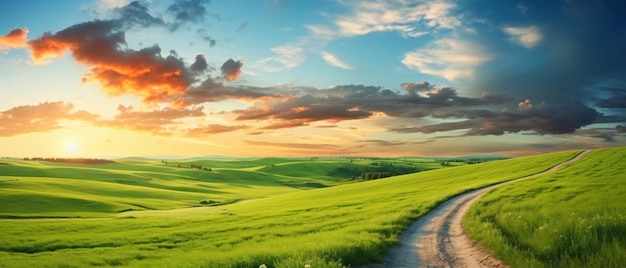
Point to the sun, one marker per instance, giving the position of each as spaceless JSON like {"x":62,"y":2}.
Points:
{"x":71,"y":147}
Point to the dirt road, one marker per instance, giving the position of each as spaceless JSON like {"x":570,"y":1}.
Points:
{"x":437,"y":239}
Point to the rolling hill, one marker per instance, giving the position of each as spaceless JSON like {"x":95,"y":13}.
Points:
{"x":278,"y":212}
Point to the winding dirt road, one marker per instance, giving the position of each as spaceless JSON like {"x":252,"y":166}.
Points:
{"x":438,"y":239}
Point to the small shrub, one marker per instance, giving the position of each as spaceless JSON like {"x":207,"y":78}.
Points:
{"x":207,"y":202}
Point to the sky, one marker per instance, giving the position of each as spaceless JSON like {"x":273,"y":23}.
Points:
{"x":117,"y":78}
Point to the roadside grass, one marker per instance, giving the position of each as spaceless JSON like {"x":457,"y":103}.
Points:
{"x":575,"y":217}
{"x":344,"y":225}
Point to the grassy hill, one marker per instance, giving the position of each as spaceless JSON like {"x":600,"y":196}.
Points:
{"x":575,"y":217}
{"x":41,"y":188}
{"x":273,"y":223}
{"x":44,"y":188}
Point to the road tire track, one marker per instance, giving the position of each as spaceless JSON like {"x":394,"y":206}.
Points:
{"x":438,"y":239}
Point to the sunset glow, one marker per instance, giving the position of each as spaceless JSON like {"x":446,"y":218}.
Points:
{"x":98,"y":78}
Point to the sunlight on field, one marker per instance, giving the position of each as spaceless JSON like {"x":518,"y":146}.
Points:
{"x":142,"y":213}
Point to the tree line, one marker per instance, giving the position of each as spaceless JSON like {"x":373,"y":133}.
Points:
{"x":194,"y":166}
{"x":71,"y":160}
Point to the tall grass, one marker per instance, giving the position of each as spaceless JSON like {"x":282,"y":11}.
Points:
{"x":349,"y":225}
{"x":575,"y":217}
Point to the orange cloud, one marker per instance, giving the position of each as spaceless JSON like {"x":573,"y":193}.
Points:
{"x":15,"y":39}
{"x":42,"y":117}
{"x":299,"y":109}
{"x":99,"y":44}
{"x":213,"y":129}
{"x":158,"y":122}
{"x":47,"y":47}
{"x":286,"y":124}
{"x":144,"y":73}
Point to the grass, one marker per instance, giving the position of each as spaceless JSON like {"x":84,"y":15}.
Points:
{"x":345,"y":225}
{"x":575,"y":217}
{"x":62,"y":189}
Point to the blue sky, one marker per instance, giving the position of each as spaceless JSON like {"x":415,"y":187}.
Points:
{"x":195,"y":77}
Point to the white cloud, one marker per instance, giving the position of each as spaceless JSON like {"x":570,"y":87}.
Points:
{"x":527,"y":37}
{"x":399,"y":16}
{"x":447,"y":58}
{"x":409,"y":18}
{"x":437,"y":13}
{"x":110,"y":4}
{"x":525,"y":105}
{"x":415,"y":34}
{"x":322,"y":32}
{"x":101,"y":8}
{"x":288,"y":56}
{"x":332,"y":60}
{"x":522,"y":9}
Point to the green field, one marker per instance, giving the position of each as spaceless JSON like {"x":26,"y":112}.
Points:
{"x":40,"y":188}
{"x":278,"y":212}
{"x":575,"y":217}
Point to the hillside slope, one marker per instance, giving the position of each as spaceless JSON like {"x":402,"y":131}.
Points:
{"x":575,"y":217}
{"x":348,"y":224}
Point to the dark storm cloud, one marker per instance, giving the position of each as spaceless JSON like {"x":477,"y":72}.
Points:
{"x":352,"y":102}
{"x":304,"y":109}
{"x":213,"y":91}
{"x":541,"y":119}
{"x":185,"y":11}
{"x":614,"y":97}
{"x":231,"y":69}
{"x":43,"y":117}
{"x":581,"y":50}
{"x":435,"y":100}
{"x":415,"y":88}
{"x":606,"y":135}
{"x":485,"y":115}
{"x":199,"y":65}
{"x":138,"y":15}
{"x":206,"y":37}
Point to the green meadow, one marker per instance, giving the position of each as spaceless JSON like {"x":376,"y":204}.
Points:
{"x":240,"y":213}
{"x":575,"y":217}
